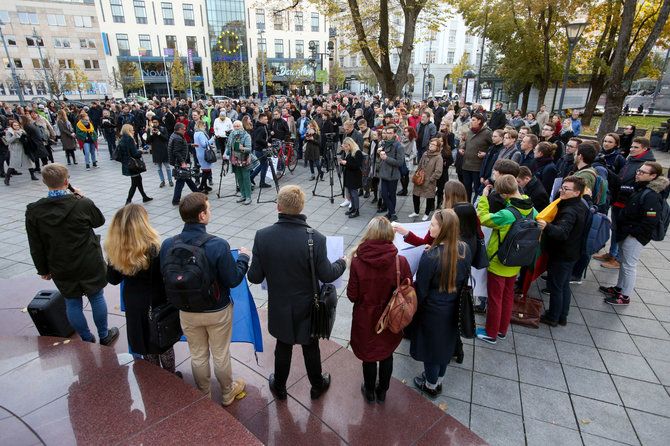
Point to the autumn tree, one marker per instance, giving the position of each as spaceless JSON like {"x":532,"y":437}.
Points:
{"x":336,"y":76}
{"x":228,"y":74}
{"x":128,"y":77}
{"x":179,"y":74}
{"x":623,"y":72}
{"x":461,"y":67}
{"x":55,"y":74}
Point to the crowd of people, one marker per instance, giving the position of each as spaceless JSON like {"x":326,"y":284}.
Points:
{"x":507,"y":168}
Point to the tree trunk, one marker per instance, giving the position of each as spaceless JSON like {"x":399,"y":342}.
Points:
{"x":615,"y":97}
{"x":598,"y":84}
{"x":541,"y":94}
{"x":526,"y":93}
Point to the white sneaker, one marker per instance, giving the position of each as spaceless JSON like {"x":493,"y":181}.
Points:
{"x":345,"y":203}
{"x":424,"y":218}
{"x":413,"y":214}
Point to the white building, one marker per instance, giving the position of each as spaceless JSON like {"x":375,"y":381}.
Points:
{"x":285,"y":39}
{"x":67,"y":34}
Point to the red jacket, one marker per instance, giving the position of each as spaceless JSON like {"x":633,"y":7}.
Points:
{"x":414,"y":121}
{"x":372,"y":280}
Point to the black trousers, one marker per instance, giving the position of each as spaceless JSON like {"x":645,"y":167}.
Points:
{"x":136,"y":183}
{"x":385,"y":372}
{"x":310,"y":353}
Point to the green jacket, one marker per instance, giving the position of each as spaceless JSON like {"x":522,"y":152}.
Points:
{"x":500,"y":222}
{"x":63,"y":244}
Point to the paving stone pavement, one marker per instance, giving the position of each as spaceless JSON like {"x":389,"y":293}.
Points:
{"x":602,"y":379}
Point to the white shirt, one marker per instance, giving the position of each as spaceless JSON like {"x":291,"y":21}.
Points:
{"x":222,"y":126}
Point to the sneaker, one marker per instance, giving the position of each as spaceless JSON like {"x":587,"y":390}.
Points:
{"x":545,"y":291}
{"x":247,"y":201}
{"x":95,"y":164}
{"x":393,"y":218}
{"x":265,"y":185}
{"x":413,"y":215}
{"x":240,"y":200}
{"x":575,"y":281}
{"x":425,"y":218}
{"x":112,"y":334}
{"x":612,"y":264}
{"x":610,"y":290}
{"x":162,"y":184}
{"x":238,"y":387}
{"x":345,"y":203}
{"x":480,"y":307}
{"x":617,"y":300}
{"x":423,"y":378}
{"x":171,"y":183}
{"x":88,"y":166}
{"x":502,"y":337}
{"x":604,"y":257}
{"x":481,"y":334}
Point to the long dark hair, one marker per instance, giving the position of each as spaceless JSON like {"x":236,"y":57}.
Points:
{"x":451,"y":251}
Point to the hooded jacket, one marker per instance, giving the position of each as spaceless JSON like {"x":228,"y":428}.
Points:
{"x":474,"y":143}
{"x":564,"y":234}
{"x":372,"y":279}
{"x":642,"y":211}
{"x":627,"y":176}
{"x":63,"y":244}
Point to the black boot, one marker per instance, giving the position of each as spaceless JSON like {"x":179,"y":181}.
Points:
{"x":8,"y":175}
{"x":32,"y":174}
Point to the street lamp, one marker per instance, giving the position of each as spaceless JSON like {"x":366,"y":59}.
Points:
{"x":263,"y":57}
{"x":239,"y":47}
{"x":574,"y":31}
{"x":423,"y":88}
{"x":315,"y":53}
{"x":19,"y":90}
{"x":37,"y":39}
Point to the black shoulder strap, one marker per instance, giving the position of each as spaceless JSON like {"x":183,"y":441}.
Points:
{"x":202,"y":239}
{"x":310,"y":244}
{"x":517,"y":215}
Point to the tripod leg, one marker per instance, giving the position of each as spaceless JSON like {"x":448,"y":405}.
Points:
{"x":218,"y":194}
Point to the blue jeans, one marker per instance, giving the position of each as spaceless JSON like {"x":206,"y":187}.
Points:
{"x":434,"y":373}
{"x":353,"y":196}
{"x":558,"y":282}
{"x":388,"y":194}
{"x":89,"y":151}
{"x":471,"y":182}
{"x":167,"y":169}
{"x":75,"y":314}
{"x":419,"y":154}
{"x":614,"y":246}
{"x":111,"y":143}
{"x":179,"y":186}
{"x":311,"y":166}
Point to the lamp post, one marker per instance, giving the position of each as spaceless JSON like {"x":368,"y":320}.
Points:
{"x":263,"y":57}
{"x":315,"y":53}
{"x":423,"y":88}
{"x":19,"y":90}
{"x":239,"y":47}
{"x":574,"y":31}
{"x":140,"y":53}
{"x":37,"y":39}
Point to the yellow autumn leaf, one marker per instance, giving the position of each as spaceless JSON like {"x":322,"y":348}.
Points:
{"x":25,"y":310}
{"x":404,"y":381}
{"x":586,"y":421}
{"x":67,"y":341}
{"x":56,"y":343}
{"x":443,"y":406}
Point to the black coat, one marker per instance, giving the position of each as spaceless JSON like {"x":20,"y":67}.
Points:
{"x":280,"y":129}
{"x":352,"y":170}
{"x":169,"y":122}
{"x":35,"y":148}
{"x":627,"y":175}
{"x":127,"y":150}
{"x":281,"y":257}
{"x":498,"y":120}
{"x":139,"y":291}
{"x":177,"y":150}
{"x":565,"y":233}
{"x":63,"y":244}
{"x":537,"y":193}
{"x":434,"y":328}
{"x":158,"y":144}
{"x":640,"y":216}
{"x":260,"y":137}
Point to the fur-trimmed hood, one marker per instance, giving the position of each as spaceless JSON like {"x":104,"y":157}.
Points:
{"x":658,"y":184}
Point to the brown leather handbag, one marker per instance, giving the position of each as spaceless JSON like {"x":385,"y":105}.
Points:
{"x":419,"y":176}
{"x":526,"y":311}
{"x":401,"y":307}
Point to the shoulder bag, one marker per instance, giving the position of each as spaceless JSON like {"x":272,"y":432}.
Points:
{"x":401,"y":307}
{"x":164,"y":325}
{"x":136,"y":165}
{"x":466,"y":311}
{"x":325,"y":300}
{"x":419,"y":175}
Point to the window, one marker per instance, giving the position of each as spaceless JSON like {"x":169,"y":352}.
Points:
{"x":46,"y":63}
{"x":83,"y":21}
{"x":10,"y":40}
{"x":278,"y":21}
{"x":192,"y":44}
{"x":18,"y":63}
{"x":300,"y":49}
{"x":432,"y":35}
{"x":140,"y":11}
{"x":56,"y":19}
{"x":4,"y":16}
{"x":27,"y":87}
{"x":2,"y":88}
{"x":468,"y":39}
{"x":189,"y":16}
{"x":261,"y":47}
{"x":28,"y":18}
{"x":452,"y":35}
{"x":86,"y":43}
{"x":279,"y":48}
{"x":396,"y":59}
{"x":91,"y":64}
{"x":145,"y":42}
{"x":66,"y":64}
{"x":171,"y":42}
{"x":40,"y":87}
{"x":123,"y":44}
{"x":70,"y":64}
{"x":430,"y":56}
{"x":315,"y":22}
{"x":341,"y":61}
{"x":36,"y":63}
{"x":62,"y":42}
{"x":260,"y":19}
{"x":117,"y":11}
{"x":168,"y":16}
{"x":298,"y":21}
{"x":31,"y":41}
{"x":450,"y":57}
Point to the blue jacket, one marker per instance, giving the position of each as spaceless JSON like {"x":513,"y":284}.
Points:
{"x":576,"y":126}
{"x":228,"y":272}
{"x":201,"y":139}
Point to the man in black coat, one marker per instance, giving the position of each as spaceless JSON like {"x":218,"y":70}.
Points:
{"x":65,"y":248}
{"x":564,"y":237}
{"x":498,"y":119}
{"x":157,"y":137}
{"x":260,"y":141}
{"x":140,"y":124}
{"x":280,"y":128}
{"x":280,"y":256}
{"x":178,"y":157}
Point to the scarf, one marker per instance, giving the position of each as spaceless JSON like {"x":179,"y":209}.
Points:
{"x":541,"y":162}
{"x":84,"y":128}
{"x":530,"y":123}
{"x":475,"y":130}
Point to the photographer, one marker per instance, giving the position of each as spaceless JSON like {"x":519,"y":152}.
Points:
{"x":313,"y":148}
{"x":261,"y":142}
{"x":178,"y":157}
{"x":158,"y":138}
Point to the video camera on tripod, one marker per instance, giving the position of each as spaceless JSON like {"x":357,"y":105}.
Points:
{"x":330,"y":152}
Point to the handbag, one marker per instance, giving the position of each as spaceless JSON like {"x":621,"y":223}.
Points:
{"x":164,"y":326}
{"x":419,"y":176}
{"x":401,"y":307}
{"x":136,"y":165}
{"x":526,"y":311}
{"x":466,"y":310}
{"x":480,"y":259}
{"x":324,"y":305}
{"x":210,"y":155}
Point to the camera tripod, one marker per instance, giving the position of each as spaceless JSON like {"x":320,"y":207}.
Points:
{"x":266,"y":153}
{"x":329,"y":159}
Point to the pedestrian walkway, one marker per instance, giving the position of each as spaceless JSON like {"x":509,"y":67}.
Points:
{"x":602,"y":379}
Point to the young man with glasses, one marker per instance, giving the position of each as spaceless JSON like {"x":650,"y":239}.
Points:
{"x":635,"y":225}
{"x":566,"y":164}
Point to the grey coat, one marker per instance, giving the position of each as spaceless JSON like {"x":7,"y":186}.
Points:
{"x":17,"y":155}
{"x":66,"y":131}
{"x":389,"y":169}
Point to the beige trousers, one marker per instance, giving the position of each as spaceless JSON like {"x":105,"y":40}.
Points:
{"x":205,"y":332}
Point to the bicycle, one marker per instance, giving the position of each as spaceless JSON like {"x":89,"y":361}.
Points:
{"x":286,"y":157}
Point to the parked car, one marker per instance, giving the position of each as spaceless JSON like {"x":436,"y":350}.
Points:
{"x":221,"y":98}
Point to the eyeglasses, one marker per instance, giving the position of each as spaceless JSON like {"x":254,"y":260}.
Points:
{"x":565,"y":189}
{"x":642,"y":172}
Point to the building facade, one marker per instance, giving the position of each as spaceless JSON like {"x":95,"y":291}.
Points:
{"x":67,"y":34}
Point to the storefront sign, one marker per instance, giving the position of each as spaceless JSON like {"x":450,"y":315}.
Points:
{"x":154,"y":73}
{"x":304,"y":71}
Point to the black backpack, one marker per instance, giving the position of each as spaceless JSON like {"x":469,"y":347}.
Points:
{"x":521,"y":242}
{"x":187,"y":276}
{"x":658,"y":234}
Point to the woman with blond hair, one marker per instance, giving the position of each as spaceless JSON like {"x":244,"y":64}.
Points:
{"x":202,"y":142}
{"x":353,"y":177}
{"x":313,"y":148}
{"x":132,"y":248}
{"x":67,"y":136}
{"x":127,"y":150}
{"x":443,"y":270}
{"x":371,"y":282}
